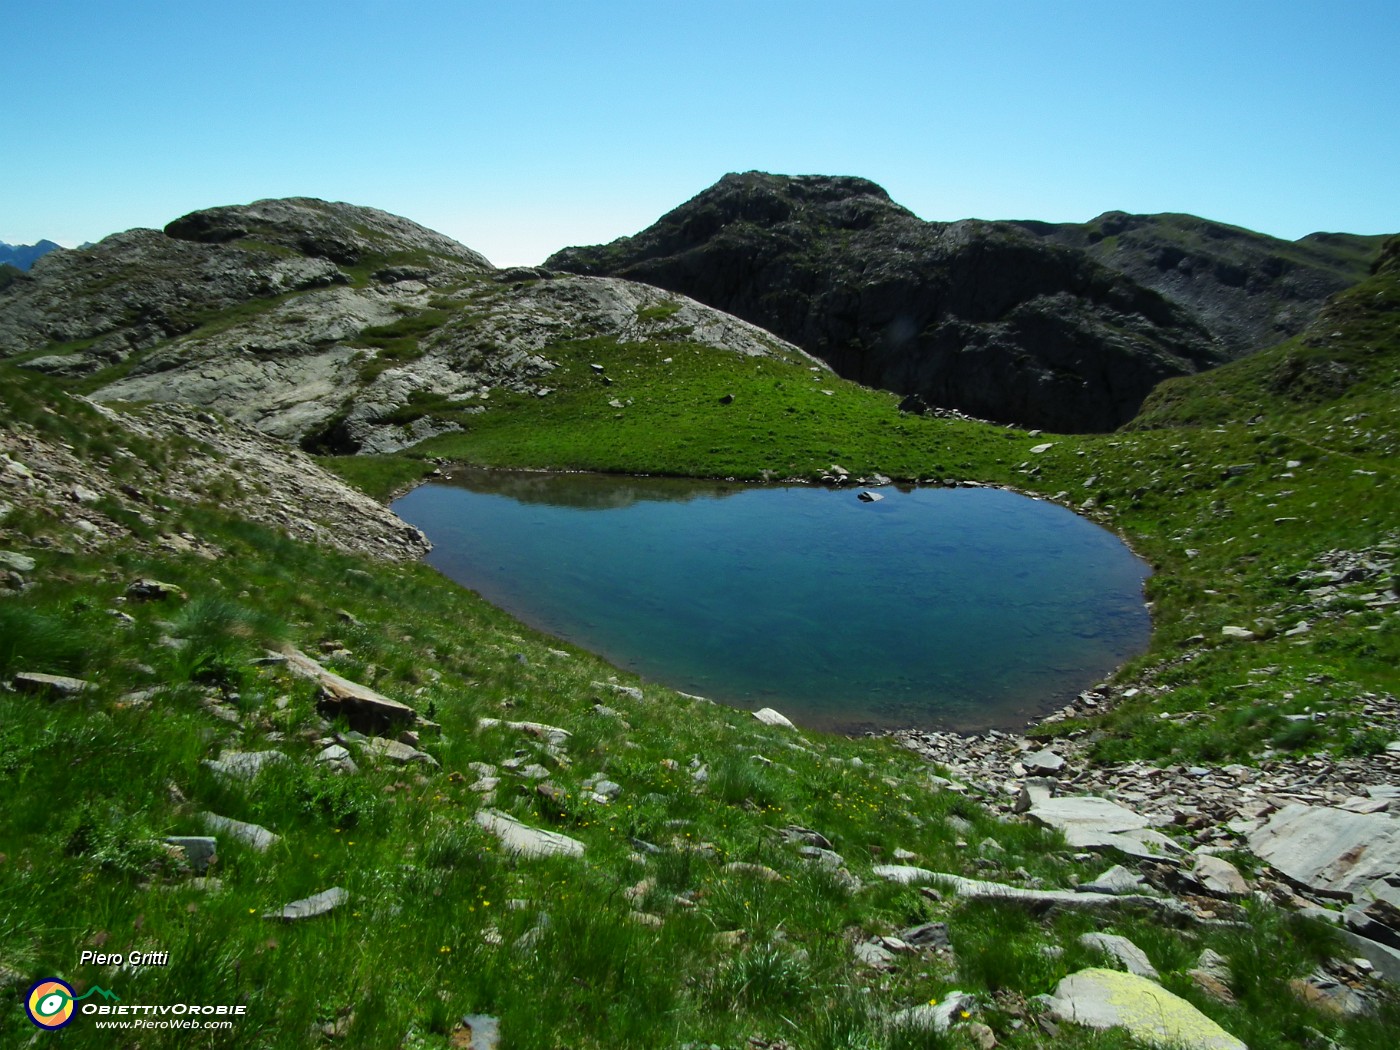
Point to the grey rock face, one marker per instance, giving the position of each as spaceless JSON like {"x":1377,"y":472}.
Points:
{"x":1089,"y":822}
{"x":1330,"y":850}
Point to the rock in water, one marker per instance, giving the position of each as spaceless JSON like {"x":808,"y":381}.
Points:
{"x":1110,"y":999}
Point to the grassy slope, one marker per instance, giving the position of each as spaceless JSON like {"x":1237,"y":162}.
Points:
{"x":88,"y":781}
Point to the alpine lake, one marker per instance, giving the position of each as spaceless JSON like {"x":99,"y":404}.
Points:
{"x":938,"y":608}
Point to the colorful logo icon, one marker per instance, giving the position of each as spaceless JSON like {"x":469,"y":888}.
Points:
{"x":50,"y":1003}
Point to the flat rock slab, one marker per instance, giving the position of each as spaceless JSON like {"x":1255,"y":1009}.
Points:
{"x":1036,"y":899}
{"x":1089,"y":822}
{"x":525,"y":841}
{"x":366,"y":710}
{"x":1331,"y":851}
{"x":310,"y":907}
{"x":1111,"y":999}
{"x":254,"y":835}
{"x":49,"y":684}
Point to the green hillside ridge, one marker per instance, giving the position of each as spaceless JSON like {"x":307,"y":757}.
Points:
{"x":1237,"y":489}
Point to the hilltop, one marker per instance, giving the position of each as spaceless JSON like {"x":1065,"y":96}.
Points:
{"x":246,"y":658}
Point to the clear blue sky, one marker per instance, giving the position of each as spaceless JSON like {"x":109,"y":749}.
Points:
{"x":523,"y":127}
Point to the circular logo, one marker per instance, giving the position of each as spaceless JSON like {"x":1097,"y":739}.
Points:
{"x":50,"y":1003}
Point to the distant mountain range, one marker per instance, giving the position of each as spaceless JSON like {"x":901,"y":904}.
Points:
{"x":23,"y":256}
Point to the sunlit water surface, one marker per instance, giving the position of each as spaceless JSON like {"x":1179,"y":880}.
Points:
{"x":939,"y":608}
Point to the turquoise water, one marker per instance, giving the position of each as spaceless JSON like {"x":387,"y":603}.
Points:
{"x":936,"y":608}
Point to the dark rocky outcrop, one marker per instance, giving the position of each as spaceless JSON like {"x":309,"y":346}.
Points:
{"x":1248,"y":289}
{"x":984,"y":317}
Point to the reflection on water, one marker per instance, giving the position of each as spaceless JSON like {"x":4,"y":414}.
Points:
{"x":952,"y":608}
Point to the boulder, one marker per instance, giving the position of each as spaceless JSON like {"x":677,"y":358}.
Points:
{"x":1103,"y":999}
{"x":1218,"y":876}
{"x":1330,"y":851}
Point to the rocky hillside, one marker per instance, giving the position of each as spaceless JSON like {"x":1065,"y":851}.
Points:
{"x":1248,"y":289}
{"x":1063,"y":327}
{"x":324,"y":323}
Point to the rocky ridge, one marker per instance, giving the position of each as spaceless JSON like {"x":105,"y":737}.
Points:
{"x":324,"y":323}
